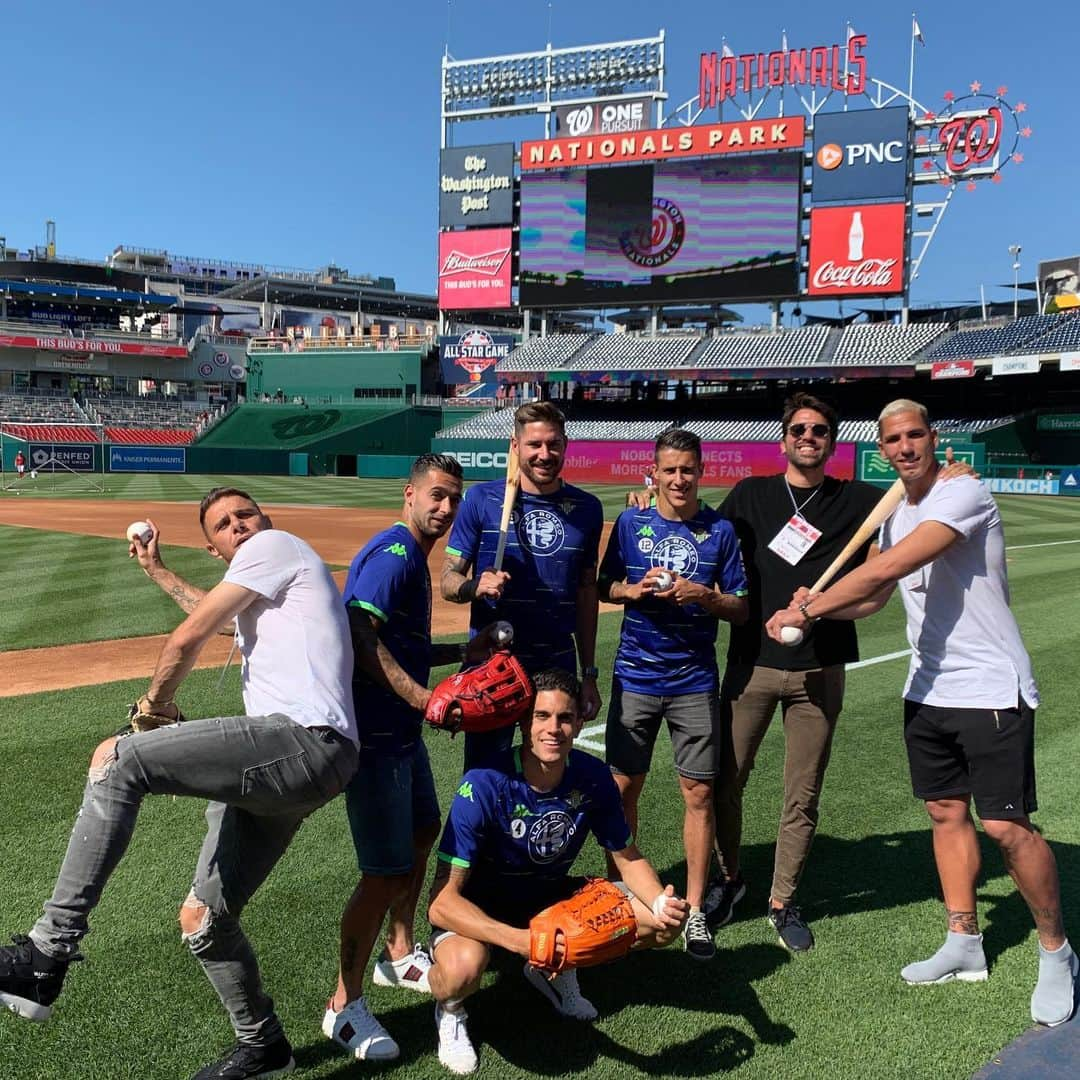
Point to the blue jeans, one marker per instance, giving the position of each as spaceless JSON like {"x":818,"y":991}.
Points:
{"x":263,"y":775}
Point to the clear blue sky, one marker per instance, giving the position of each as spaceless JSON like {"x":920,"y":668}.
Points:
{"x":305,"y":134}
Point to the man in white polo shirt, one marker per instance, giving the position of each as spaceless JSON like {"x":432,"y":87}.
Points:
{"x":264,"y":772}
{"x":969,"y":702}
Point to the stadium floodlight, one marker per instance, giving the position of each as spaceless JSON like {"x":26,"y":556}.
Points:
{"x":1014,"y":251}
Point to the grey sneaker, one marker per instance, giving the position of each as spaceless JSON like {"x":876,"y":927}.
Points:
{"x":961,"y":957}
{"x":791,"y":926}
{"x":1055,"y":994}
{"x":697,"y":937}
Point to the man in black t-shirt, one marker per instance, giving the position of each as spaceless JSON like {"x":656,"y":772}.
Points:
{"x":790,"y":526}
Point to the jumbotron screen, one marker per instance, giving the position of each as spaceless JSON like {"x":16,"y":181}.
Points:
{"x":704,"y":229}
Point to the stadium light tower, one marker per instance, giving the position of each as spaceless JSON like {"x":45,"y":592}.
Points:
{"x":1014,"y":251}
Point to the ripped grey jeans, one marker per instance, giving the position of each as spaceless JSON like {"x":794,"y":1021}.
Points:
{"x":263,"y":775}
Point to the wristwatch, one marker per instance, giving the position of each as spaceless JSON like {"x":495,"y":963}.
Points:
{"x":590,"y":672}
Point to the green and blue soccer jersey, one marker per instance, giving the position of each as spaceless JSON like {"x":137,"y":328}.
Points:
{"x":665,"y":648}
{"x":502,"y":829}
{"x":389,"y":579}
{"x":552,"y":540}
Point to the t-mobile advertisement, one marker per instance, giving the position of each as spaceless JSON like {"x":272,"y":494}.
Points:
{"x":725,"y":463}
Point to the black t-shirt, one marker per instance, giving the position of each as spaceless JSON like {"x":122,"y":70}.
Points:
{"x":758,"y":507}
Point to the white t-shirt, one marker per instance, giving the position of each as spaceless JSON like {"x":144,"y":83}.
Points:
{"x":966,"y":647}
{"x":295,"y":639}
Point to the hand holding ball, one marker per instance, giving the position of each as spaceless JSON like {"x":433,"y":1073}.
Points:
{"x":503,"y":634}
{"x":663,"y":581}
{"x":790,"y":635}
{"x":141,"y":531}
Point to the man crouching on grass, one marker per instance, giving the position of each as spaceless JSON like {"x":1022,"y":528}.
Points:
{"x":969,"y":702}
{"x":511,"y":837}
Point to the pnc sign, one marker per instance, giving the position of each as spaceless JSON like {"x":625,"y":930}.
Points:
{"x":861,"y":155}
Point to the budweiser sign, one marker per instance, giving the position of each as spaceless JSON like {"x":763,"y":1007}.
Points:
{"x":857,"y":250}
{"x":475,"y":269}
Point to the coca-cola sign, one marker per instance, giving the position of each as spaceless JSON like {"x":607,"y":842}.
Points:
{"x":474,"y":269}
{"x":857,"y":250}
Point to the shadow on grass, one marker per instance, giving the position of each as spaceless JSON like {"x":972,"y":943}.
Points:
{"x":509,"y":1016}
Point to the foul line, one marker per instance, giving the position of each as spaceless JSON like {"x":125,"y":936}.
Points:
{"x":597,"y":729}
{"x":1049,"y":543}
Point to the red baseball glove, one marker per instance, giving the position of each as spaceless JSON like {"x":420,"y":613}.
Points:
{"x":597,"y":924}
{"x":493,"y":695}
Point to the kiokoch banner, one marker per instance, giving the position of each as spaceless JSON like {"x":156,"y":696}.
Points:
{"x":475,"y":269}
{"x":856,"y":250}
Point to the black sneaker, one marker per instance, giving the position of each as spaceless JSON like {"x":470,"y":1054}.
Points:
{"x":720,"y":899}
{"x":245,"y":1060}
{"x":789,"y":924}
{"x":697,"y":938}
{"x":30,"y":981}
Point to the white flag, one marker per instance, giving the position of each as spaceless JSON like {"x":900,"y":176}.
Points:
{"x":916,"y":32}
{"x":725,"y":49}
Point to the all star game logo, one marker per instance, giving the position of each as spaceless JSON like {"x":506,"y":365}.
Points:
{"x":661,"y":243}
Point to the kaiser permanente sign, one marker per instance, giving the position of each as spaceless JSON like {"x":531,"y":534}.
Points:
{"x":664,"y":143}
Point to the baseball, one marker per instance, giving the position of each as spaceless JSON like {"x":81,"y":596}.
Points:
{"x":139,"y":530}
{"x":790,"y":635}
{"x":504,"y":633}
{"x":663,"y":581}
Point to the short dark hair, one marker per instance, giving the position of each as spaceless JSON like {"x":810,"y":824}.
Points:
{"x":557,"y":679}
{"x":674,"y":438}
{"x":802,"y":400}
{"x":214,"y":494}
{"x":539,"y":412}
{"x":442,"y":462}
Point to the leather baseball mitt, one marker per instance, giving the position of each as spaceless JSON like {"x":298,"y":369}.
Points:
{"x":141,"y":718}
{"x":493,"y":695}
{"x":597,"y":924}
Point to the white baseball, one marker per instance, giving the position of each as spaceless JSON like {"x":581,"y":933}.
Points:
{"x":504,"y":633}
{"x":790,"y":635}
{"x":663,"y":581}
{"x":140,"y":530}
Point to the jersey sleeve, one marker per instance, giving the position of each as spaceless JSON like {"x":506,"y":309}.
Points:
{"x":731,"y":574}
{"x":464,"y":541}
{"x":467,"y":819}
{"x":608,"y":820}
{"x":592,"y":535}
{"x":962,"y":503}
{"x":613,"y":567}
{"x":265,"y":564}
{"x":377,"y":580}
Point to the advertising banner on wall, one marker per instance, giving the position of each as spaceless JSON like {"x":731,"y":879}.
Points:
{"x":61,"y":457}
{"x":1067,"y":422}
{"x":476,"y":185}
{"x":857,"y":250}
{"x":872,"y":467}
{"x":1015,"y":365}
{"x":1059,"y":283}
{"x":156,"y":459}
{"x":475,"y":269}
{"x":91,"y":345}
{"x":860,"y":155}
{"x":471,"y":357}
{"x":603,"y":117}
{"x":1069,"y":361}
{"x":952,"y":369}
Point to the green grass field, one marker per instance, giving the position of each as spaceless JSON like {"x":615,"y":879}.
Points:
{"x":139,"y":1007}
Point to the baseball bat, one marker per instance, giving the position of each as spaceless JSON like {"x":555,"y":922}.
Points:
{"x":512,"y":478}
{"x":886,"y":505}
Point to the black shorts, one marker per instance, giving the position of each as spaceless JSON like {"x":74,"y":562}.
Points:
{"x":988,"y":754}
{"x":514,"y":900}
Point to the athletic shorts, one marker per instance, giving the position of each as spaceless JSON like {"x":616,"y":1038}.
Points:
{"x":986,"y":753}
{"x":388,"y":801}
{"x":513,"y":900}
{"x":633,"y":722}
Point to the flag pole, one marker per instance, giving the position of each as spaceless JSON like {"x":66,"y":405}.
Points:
{"x":911,"y":67}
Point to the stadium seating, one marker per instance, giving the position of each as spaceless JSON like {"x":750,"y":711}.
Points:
{"x":873,"y":344}
{"x":30,"y":406}
{"x":1061,"y":335}
{"x":785,"y":348}
{"x":624,"y":352}
{"x":136,"y":412}
{"x":544,"y":354}
{"x":145,"y":436}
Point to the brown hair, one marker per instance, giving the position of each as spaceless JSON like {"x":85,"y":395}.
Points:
{"x":802,"y":400}
{"x":539,"y":412}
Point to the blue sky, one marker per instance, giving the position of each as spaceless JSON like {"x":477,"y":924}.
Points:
{"x":301,"y":135}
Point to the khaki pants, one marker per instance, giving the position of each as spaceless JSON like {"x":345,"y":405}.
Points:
{"x":810,"y":703}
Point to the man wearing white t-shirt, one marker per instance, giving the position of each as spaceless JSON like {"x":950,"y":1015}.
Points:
{"x":969,"y":702}
{"x":293,"y":750}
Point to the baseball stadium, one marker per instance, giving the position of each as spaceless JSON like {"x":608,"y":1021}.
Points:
{"x":641,"y":266}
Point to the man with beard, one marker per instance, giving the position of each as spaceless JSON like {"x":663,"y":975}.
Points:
{"x":392,"y":807}
{"x":547,"y":587}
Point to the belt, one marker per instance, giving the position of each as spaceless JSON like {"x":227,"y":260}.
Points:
{"x":329,"y":734}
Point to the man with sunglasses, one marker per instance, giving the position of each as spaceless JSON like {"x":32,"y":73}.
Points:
{"x":790,"y":526}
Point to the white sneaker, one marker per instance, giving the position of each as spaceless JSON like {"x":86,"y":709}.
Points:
{"x":563,"y":992}
{"x":355,"y":1029}
{"x":455,"y":1048}
{"x":408,"y":973}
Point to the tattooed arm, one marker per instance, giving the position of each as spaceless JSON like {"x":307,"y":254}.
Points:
{"x":374,"y":660}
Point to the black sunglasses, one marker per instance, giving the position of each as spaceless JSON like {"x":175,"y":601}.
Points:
{"x":799,"y":430}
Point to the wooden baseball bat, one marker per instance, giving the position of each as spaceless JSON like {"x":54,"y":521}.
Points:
{"x":513,"y":475}
{"x":886,"y":505}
